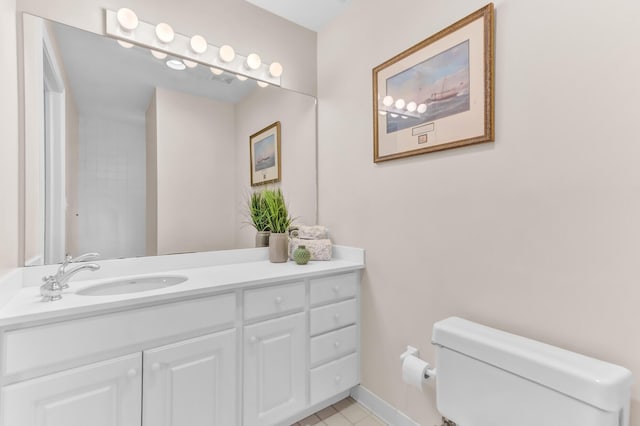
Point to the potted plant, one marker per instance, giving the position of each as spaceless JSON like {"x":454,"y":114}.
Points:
{"x":278,"y":220}
{"x":258,"y":217}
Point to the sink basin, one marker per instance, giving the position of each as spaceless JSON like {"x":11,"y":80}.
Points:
{"x":132,"y":285}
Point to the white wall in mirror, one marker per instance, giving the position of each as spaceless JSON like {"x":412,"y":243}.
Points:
{"x":195,"y":185}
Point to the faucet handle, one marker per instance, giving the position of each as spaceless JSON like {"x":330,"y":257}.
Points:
{"x":51,"y":290}
{"x":83,"y":257}
{"x":69,"y":259}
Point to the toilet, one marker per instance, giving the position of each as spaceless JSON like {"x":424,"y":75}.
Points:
{"x":487,"y":377}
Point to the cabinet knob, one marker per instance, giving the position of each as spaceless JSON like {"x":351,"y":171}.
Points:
{"x":278,"y":300}
{"x":336,"y":289}
{"x":253,"y":339}
{"x":336,"y":317}
{"x":337,"y":344}
{"x":155,"y":366}
{"x":132,"y":372}
{"x":338,"y":378}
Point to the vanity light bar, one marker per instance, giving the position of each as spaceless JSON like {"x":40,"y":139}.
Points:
{"x":144,"y":35}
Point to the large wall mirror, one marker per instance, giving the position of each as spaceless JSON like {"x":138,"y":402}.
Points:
{"x":128,"y":157}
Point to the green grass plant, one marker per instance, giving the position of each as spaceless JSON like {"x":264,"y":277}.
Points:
{"x":277,"y":216}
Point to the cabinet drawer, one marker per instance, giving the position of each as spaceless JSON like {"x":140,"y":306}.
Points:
{"x":333,"y":378}
{"x":273,"y":300}
{"x":333,"y":316}
{"x":330,"y":289}
{"x":333,"y":345}
{"x":47,"y":345}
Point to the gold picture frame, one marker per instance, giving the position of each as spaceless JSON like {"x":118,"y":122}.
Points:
{"x":264,"y":152}
{"x":438,"y":94}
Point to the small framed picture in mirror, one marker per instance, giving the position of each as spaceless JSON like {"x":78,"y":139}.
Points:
{"x":264,"y":149}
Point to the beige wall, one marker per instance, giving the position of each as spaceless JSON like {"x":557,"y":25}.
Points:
{"x":242,"y":25}
{"x":8,"y":139}
{"x":34,"y":133}
{"x":71,"y":174}
{"x":195,"y":173}
{"x":297,"y":116}
{"x":537,"y":233}
{"x":151,"y":194}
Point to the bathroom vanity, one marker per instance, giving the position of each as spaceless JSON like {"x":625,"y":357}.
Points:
{"x":242,"y":342}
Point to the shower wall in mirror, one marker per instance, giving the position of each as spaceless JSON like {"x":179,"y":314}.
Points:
{"x":128,"y":157}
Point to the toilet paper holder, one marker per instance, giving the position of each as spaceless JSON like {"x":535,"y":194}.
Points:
{"x":411,"y":351}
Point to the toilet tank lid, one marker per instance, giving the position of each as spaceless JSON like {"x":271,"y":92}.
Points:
{"x":601,"y":384}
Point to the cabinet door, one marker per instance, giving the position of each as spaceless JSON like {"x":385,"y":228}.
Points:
{"x":191,"y":383}
{"x":102,"y":394}
{"x":274,"y":370}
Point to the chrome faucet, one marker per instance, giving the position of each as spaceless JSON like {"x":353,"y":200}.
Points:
{"x":53,"y":285}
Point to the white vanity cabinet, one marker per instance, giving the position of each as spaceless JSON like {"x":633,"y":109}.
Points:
{"x":189,"y":382}
{"x":101,"y":394}
{"x":334,"y":332}
{"x":192,"y":382}
{"x":274,"y":353}
{"x":252,"y":354}
{"x":274,"y":370}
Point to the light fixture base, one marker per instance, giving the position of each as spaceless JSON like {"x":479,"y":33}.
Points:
{"x":144,"y":35}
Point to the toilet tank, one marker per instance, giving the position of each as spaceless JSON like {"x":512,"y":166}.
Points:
{"x":487,"y":377}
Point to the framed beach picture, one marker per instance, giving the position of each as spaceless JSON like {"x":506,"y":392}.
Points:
{"x":264,"y":148}
{"x":437,"y":94}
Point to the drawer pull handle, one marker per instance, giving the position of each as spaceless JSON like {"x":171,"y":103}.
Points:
{"x":338,"y":378}
{"x":132,"y":372}
{"x":278,"y":300}
{"x":253,"y":339}
{"x":336,"y":289}
{"x":337,"y":344}
{"x":336,"y":317}
{"x":155,"y":366}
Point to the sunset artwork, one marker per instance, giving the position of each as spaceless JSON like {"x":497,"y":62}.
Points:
{"x":265,"y":153}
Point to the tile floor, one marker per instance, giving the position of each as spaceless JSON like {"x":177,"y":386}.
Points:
{"x":343,"y":413}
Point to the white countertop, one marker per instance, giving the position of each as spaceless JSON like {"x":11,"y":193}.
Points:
{"x":24,"y":304}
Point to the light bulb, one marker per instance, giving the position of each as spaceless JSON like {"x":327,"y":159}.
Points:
{"x":158,"y":55}
{"x":262,"y":84}
{"x":127,"y":19}
{"x":275,"y":69}
{"x":125,"y":44}
{"x":241,"y":77}
{"x":198,"y":44}
{"x":175,"y":64}
{"x":412,"y":106}
{"x":189,"y":63}
{"x":394,"y":115}
{"x":165,"y":33}
{"x":387,"y":101}
{"x":422,"y":108}
{"x":216,"y":71}
{"x":253,"y":61}
{"x":226,"y":53}
{"x":400,"y":103}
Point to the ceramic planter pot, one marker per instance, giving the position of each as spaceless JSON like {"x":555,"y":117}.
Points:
{"x":262,"y":238}
{"x":278,"y":247}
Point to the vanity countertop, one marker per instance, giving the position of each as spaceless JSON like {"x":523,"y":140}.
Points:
{"x":25,"y":306}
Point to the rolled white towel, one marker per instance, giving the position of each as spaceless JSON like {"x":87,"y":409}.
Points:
{"x":312,"y":232}
{"x":319,"y":249}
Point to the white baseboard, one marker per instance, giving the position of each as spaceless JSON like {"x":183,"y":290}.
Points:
{"x":382,"y":409}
